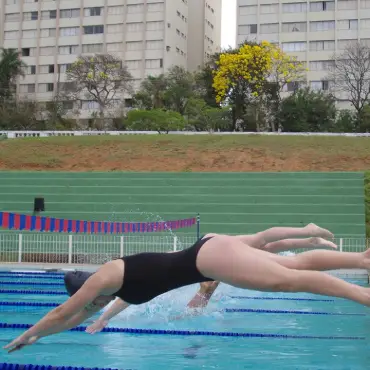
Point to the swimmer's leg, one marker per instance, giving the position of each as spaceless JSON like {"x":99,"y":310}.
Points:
{"x":289,"y":244}
{"x":242,"y":267}
{"x":274,"y":234}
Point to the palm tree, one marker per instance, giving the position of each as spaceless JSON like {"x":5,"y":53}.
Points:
{"x":11,"y":66}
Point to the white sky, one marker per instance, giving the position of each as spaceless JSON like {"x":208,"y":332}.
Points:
{"x":228,"y":23}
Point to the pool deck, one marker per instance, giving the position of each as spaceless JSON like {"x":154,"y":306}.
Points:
{"x":54,"y":267}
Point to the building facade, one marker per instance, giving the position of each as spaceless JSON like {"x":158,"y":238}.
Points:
{"x":313,"y":31}
{"x":150,"y":36}
{"x":204,"y":34}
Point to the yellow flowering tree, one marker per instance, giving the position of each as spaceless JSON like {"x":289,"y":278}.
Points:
{"x":102,"y":79}
{"x":253,"y":76}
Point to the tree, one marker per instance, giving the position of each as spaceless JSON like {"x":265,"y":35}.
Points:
{"x":351,"y":75}
{"x":102,"y":79}
{"x":154,"y":120}
{"x":170,"y":91}
{"x":247,"y":75}
{"x":307,"y":111}
{"x":11,"y":67}
{"x":21,"y":115}
{"x":152,"y":93}
{"x":202,"y":117}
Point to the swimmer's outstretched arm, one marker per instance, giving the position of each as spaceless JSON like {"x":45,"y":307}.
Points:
{"x":117,"y":307}
{"x":103,"y":283}
{"x":203,"y":295}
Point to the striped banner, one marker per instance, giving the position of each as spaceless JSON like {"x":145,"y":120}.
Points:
{"x":14,"y":221}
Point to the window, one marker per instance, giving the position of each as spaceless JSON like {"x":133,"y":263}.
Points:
{"x":93,"y":12}
{"x":48,"y":32}
{"x":30,"y":70}
{"x":152,"y":63}
{"x":67,"y":50}
{"x":89,"y":105}
{"x":69,"y":31}
{"x":133,"y":64}
{"x":269,"y":28}
{"x":11,"y":35}
{"x":92,"y":48}
{"x":154,"y":45}
{"x":322,"y":45}
{"x":12,"y":17}
{"x":134,"y":45}
{"x":114,"y":46}
{"x":320,"y":85}
{"x":115,"y":28}
{"x":365,"y":23}
{"x":27,"y":88}
{"x":135,"y":27}
{"x":93,"y":30}
{"x":294,"y":8}
{"x":347,"y":24}
{"x":347,"y":4}
{"x":248,"y":29}
{"x":135,"y":8}
{"x":63,"y":67}
{"x":49,"y":14}
{"x":248,"y":10}
{"x":154,"y":26}
{"x":115,"y":10}
{"x":365,"y":42}
{"x":293,"y":46}
{"x":322,"y":25}
{"x":68,"y":105}
{"x":269,"y":9}
{"x":69,"y":13}
{"x":320,"y":6}
{"x":365,"y":4}
{"x":155,"y":7}
{"x":29,"y":34}
{"x":294,"y":27}
{"x":43,"y":88}
{"x":30,"y":16}
{"x":321,"y":65}
{"x":49,"y":68}
{"x":11,"y":2}
{"x":342,"y":44}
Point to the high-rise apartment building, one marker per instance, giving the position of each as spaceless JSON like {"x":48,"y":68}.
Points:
{"x":204,"y":33}
{"x":313,"y":31}
{"x":148,"y":35}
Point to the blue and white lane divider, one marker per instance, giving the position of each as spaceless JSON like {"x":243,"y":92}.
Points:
{"x":195,"y":333}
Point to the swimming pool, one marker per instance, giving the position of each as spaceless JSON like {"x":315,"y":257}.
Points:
{"x":225,"y":313}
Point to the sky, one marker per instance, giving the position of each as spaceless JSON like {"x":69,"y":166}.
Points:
{"x":228,"y":23}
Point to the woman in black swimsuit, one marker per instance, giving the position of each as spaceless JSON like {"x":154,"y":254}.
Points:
{"x":230,"y":259}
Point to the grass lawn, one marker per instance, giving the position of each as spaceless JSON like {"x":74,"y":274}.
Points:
{"x":179,"y":153}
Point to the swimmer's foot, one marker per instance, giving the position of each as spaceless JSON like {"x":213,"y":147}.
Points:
{"x":316,"y":231}
{"x":322,"y":243}
{"x":366,"y":260}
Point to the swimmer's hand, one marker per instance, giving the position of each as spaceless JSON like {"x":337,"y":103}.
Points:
{"x":98,"y":326}
{"x":20,"y":342}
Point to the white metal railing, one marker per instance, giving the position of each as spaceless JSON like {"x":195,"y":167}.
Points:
{"x":20,"y":134}
{"x":83,"y":249}
{"x":97,"y":249}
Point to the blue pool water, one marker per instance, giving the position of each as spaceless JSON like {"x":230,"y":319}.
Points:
{"x":137,"y":351}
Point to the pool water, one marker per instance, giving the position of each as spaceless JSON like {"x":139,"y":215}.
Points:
{"x":154,"y":352}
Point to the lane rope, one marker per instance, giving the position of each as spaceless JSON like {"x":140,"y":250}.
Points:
{"x":290,"y":312}
{"x":195,"y":333}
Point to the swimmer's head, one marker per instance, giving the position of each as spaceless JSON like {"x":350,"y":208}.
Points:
{"x":73,"y":281}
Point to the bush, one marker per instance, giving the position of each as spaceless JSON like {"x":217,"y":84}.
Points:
{"x":307,"y":111}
